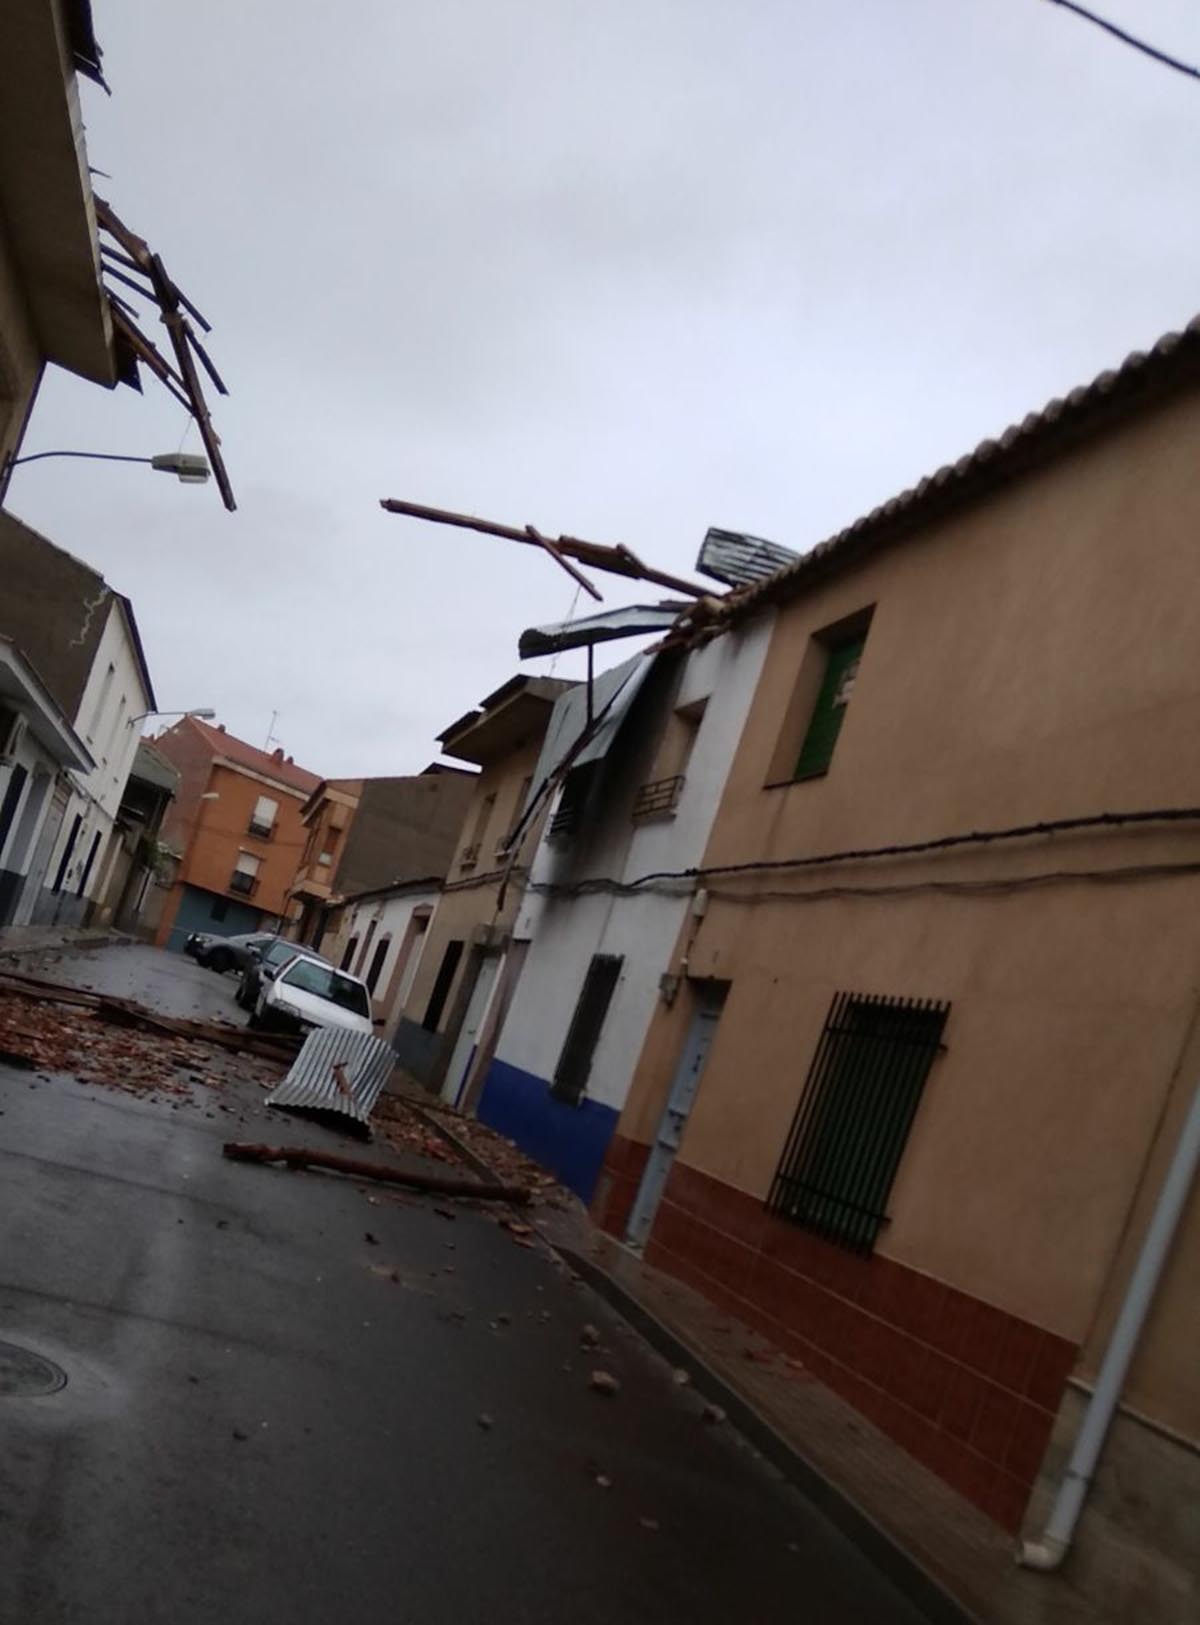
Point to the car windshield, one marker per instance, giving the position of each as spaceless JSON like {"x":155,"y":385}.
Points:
{"x":327,"y":983}
{"x":279,"y":953}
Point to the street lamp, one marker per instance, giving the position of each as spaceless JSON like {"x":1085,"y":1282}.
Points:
{"x":204,"y":712}
{"x":187,"y":466}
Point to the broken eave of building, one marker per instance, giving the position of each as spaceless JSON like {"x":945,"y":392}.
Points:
{"x":181,"y":378}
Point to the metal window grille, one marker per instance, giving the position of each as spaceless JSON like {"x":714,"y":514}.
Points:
{"x":854,"y":1116}
{"x":240,"y":881}
{"x":261,"y":828}
{"x":575,"y":1063}
{"x":658,"y":798}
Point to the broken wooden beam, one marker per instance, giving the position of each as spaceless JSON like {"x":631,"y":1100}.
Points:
{"x":295,"y":1156}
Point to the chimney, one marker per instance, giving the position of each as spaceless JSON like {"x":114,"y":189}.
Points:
{"x":220,"y":727}
{"x":289,"y":761}
{"x":277,"y":754}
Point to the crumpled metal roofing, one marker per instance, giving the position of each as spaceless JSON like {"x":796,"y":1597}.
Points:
{"x":1141,"y":378}
{"x":337,"y":1071}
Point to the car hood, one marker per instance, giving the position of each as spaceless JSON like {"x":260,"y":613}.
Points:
{"x":321,"y":1012}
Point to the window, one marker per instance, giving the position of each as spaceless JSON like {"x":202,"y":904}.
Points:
{"x":441,"y":987}
{"x":858,"y":1105}
{"x":308,"y":976}
{"x":575,"y":1062}
{"x":470,"y":852}
{"x":377,"y":959}
{"x":348,"y":956}
{"x":244,"y":878}
{"x":328,"y":846}
{"x":101,"y":701}
{"x":572,"y":803}
{"x":262,"y":819}
{"x":825,"y":724}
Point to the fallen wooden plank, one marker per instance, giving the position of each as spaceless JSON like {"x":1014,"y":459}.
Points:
{"x":295,"y":1156}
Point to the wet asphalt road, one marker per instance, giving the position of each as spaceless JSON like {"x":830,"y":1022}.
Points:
{"x":272,"y":1419}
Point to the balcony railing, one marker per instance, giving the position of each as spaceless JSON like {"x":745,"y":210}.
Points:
{"x":260,"y":831}
{"x":659,"y":798}
{"x":245,"y":885}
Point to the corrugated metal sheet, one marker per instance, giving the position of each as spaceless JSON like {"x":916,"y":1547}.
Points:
{"x":634,"y":621}
{"x":738,"y":560}
{"x":337,"y":1071}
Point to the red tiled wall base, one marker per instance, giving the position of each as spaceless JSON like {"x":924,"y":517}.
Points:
{"x":967,"y":1389}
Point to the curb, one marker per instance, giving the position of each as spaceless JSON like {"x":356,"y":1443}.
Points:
{"x":472,"y":1158}
{"x":905,"y":1572}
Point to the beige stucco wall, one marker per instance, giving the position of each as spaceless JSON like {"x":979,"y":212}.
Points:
{"x":1033,"y":658}
{"x":464,"y":908}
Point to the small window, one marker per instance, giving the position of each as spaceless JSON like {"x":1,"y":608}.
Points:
{"x":377,"y":959}
{"x":441,"y":986}
{"x":825,"y":724}
{"x":575,"y":1063}
{"x":244,"y":878}
{"x":854,"y":1117}
{"x":262,"y":819}
{"x":348,"y":956}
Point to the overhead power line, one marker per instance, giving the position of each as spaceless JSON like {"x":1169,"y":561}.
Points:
{"x":1129,"y":39}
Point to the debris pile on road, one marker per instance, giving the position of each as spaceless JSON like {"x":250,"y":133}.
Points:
{"x":423,"y":1124}
{"x":113,"y":1042}
{"x":297,"y":1156}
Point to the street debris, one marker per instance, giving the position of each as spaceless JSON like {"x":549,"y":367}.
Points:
{"x":605,"y":1383}
{"x":712,"y":1413}
{"x":484,"y":1420}
{"x":372,"y":1241}
{"x":445,"y":1213}
{"x":589,"y":1336}
{"x":119,"y":1045}
{"x":649,"y":1523}
{"x":680,"y":1377}
{"x":240,"y":1436}
{"x":603,"y":1481}
{"x":296,"y":1157}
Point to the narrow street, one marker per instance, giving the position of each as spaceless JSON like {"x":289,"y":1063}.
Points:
{"x":288,"y":1399}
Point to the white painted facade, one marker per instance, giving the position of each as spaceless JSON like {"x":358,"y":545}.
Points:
{"x":395,"y":921}
{"x":39,"y":745}
{"x":563,"y":933}
{"x":113,"y":696}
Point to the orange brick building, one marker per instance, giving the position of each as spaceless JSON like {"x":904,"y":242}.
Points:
{"x":236,"y":823}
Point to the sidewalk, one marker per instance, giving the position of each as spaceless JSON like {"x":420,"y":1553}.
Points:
{"x":952,"y":1561}
{"x":20,"y":943}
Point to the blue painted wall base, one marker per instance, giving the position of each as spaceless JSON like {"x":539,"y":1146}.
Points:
{"x":568,"y":1140}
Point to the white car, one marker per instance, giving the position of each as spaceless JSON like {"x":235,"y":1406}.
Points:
{"x":308,"y":993}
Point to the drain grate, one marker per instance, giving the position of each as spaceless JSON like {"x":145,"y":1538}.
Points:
{"x":24,"y":1374}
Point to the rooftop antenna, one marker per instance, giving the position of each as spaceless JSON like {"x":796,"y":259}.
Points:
{"x":271,"y":734}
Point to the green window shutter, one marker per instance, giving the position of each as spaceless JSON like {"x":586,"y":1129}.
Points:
{"x":817,"y":750}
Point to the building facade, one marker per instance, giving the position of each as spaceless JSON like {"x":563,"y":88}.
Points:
{"x":461,"y":984}
{"x":236,"y":819}
{"x":136,"y":880}
{"x":38,"y":747}
{"x":365,"y":834}
{"x":641,"y":800}
{"x":380,"y":937}
{"x":83,"y":639}
{"x":53,"y":308}
{"x":936,"y":1025}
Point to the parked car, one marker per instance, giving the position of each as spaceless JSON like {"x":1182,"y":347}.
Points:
{"x":225,"y":953}
{"x":265,"y":963}
{"x":309,"y":993}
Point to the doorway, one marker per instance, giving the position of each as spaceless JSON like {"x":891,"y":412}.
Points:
{"x":709,"y":999}
{"x":468,"y":1033}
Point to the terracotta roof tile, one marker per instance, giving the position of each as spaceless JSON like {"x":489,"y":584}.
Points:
{"x":249,"y":756}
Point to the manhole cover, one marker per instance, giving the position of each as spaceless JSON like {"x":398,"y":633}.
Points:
{"x":24,"y":1374}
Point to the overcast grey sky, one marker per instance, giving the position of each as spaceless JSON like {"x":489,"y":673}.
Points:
{"x":624,"y":269}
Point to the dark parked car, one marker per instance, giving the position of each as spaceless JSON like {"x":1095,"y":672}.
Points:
{"x":225,"y":953}
{"x":266,"y":962}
